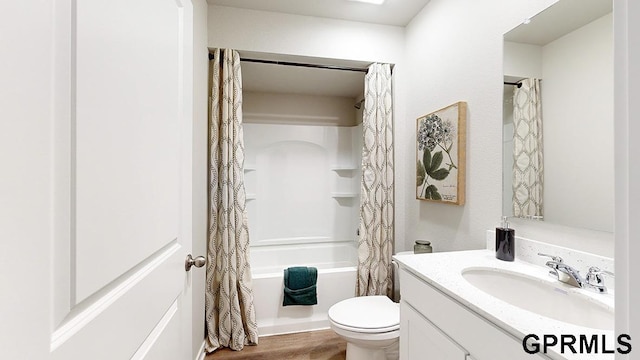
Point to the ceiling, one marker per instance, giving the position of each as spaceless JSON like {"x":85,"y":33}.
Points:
{"x":391,"y":12}
{"x":559,"y":19}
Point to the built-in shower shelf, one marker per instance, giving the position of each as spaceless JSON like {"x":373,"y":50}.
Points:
{"x":343,"y":168}
{"x":250,"y":196}
{"x":344,"y":195}
{"x":249,"y":168}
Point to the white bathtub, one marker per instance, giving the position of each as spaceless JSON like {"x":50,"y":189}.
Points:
{"x":336,"y":282}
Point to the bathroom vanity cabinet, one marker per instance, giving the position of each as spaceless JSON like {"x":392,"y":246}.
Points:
{"x":434,"y":325}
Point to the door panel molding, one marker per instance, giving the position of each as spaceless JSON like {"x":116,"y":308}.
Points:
{"x":145,"y":290}
{"x":168,"y":326}
{"x":99,"y":302}
{"x":63,"y":148}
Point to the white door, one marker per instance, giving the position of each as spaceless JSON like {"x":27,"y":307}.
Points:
{"x":96,"y":179}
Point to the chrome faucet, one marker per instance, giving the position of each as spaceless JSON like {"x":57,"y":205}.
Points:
{"x":595,"y":281}
{"x":569,"y":275}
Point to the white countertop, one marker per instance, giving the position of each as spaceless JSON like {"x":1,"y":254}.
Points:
{"x":443,"y":271}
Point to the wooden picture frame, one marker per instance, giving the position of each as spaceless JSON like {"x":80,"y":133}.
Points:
{"x":440,"y":155}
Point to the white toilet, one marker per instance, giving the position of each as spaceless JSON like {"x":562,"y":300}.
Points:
{"x":369,"y":324}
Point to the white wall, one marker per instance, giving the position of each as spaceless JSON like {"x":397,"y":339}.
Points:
{"x":278,"y":33}
{"x":453,"y":53}
{"x":578,"y":139}
{"x":200,"y":151}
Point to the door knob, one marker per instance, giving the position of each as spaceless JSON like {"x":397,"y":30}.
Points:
{"x":197,"y":262}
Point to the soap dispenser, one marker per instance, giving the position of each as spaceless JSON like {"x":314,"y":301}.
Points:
{"x":505,"y":241}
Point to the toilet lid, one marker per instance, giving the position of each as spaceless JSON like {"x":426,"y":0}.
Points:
{"x":367,"y":313}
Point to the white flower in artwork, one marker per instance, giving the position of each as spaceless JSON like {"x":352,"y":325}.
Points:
{"x":434,"y":133}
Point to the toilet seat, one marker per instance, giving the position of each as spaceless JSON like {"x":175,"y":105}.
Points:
{"x":366,"y":314}
{"x":365,"y":331}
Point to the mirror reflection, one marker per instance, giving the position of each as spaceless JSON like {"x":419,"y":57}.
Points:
{"x":558,"y":116}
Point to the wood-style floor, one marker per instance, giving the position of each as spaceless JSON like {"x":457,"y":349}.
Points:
{"x":314,"y":345}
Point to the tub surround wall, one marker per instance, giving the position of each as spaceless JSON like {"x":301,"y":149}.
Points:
{"x":274,"y":259}
{"x":302,"y":183}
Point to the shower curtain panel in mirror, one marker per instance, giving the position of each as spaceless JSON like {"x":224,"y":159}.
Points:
{"x":230,"y":314}
{"x":527,"y":150}
{"x":375,"y":242}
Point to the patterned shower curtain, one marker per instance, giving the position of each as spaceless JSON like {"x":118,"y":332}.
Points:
{"x":230,"y":314}
{"x":527,"y":150}
{"x":375,"y":242}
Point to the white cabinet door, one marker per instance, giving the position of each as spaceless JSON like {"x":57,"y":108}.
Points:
{"x":420,"y":339}
{"x":98,"y":201}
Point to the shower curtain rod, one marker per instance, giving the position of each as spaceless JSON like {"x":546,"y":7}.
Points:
{"x":518,"y":84}
{"x":288,"y":63}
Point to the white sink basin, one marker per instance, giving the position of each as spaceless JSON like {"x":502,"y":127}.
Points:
{"x":541,"y":297}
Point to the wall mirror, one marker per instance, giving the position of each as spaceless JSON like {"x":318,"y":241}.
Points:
{"x":558,"y":116}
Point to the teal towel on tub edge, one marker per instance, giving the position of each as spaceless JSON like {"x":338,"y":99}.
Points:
{"x":300,"y":286}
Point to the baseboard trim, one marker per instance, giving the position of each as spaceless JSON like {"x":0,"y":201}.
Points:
{"x":292,"y":328}
{"x":202,"y":352}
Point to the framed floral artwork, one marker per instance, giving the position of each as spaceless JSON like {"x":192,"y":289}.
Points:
{"x":440,"y":155}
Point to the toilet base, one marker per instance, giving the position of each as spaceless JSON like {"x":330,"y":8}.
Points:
{"x":355,"y":352}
